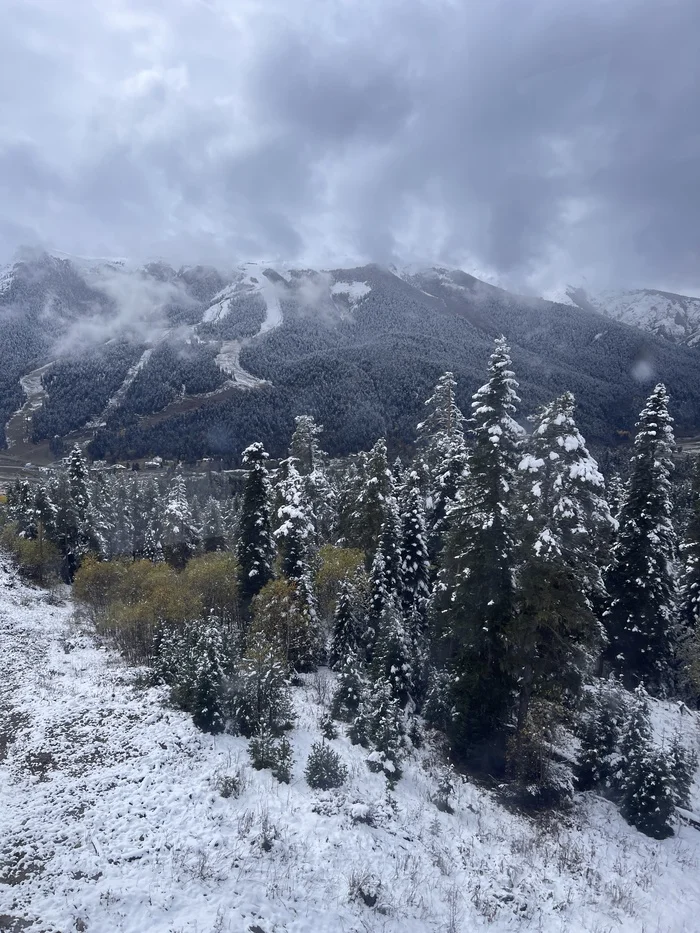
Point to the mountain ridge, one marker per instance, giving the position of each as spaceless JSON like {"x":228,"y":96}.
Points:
{"x":293,"y":340}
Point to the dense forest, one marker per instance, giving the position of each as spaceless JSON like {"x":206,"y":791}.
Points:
{"x":359,"y":349}
{"x":490,"y":586}
{"x":363,"y":371}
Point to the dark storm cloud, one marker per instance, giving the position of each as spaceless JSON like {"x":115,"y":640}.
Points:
{"x":539,"y":141}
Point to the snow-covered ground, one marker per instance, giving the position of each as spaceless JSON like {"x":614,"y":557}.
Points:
{"x":676,"y":317}
{"x":111,"y":820}
{"x":15,"y":428}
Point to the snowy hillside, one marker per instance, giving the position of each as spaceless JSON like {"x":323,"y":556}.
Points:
{"x":113,"y":820}
{"x":676,"y":317}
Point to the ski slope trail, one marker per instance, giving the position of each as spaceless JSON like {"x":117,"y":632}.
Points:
{"x":111,"y":821}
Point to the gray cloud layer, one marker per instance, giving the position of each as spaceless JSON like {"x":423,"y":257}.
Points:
{"x":537,"y":141}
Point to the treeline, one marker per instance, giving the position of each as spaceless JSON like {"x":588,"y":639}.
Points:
{"x":488,"y":586}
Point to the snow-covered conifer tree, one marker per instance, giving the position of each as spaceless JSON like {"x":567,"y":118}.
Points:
{"x":295,"y":531}
{"x":566,"y":525}
{"x":415,"y":561}
{"x":346,"y":636}
{"x":477,"y":586}
{"x":641,"y":583}
{"x":179,"y":532}
{"x":256,"y":545}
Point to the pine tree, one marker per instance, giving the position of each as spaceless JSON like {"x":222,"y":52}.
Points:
{"x":213,"y":534}
{"x":566,"y":522}
{"x":683,"y":763}
{"x":392,"y":662}
{"x":283,"y":616}
{"x":442,"y":430}
{"x":647,"y":801}
{"x":324,"y":768}
{"x":79,"y":481}
{"x":122,"y":544}
{"x":415,"y":561}
{"x":689,"y":602}
{"x":296,"y":531}
{"x":375,"y":509}
{"x":346,"y":638}
{"x":256,"y":547}
{"x":349,"y":691}
{"x":261,"y":698}
{"x":636,"y":737}
{"x":179,"y":531}
{"x":641,"y":583}
{"x":477,"y":586}
{"x":600,"y":736}
{"x":382,"y":724}
{"x":441,"y":447}
{"x":207,"y":687}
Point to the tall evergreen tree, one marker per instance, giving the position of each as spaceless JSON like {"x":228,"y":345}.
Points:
{"x":415,"y":561}
{"x":477,"y":586}
{"x":566,"y":522}
{"x":296,"y":531}
{"x":179,"y":531}
{"x":641,"y":583}
{"x":213,"y":534}
{"x":689,"y":602}
{"x":346,"y":636}
{"x":256,"y":545}
{"x":79,"y":480}
{"x":376,"y":504}
{"x":441,"y":447}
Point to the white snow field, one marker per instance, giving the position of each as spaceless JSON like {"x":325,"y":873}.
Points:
{"x":111,"y":820}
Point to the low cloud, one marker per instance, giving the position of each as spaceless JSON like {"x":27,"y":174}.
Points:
{"x":545,"y":143}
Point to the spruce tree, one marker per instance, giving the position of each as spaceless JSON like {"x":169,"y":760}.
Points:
{"x":207,"y":686}
{"x":349,"y":691}
{"x":311,"y":463}
{"x":122,"y":543}
{"x":635,"y":738}
{"x":260,"y":690}
{"x":295,"y":531}
{"x":566,"y":523}
{"x":477,"y":596}
{"x":415,"y":561}
{"x":79,"y":481}
{"x":346,"y":636}
{"x":689,"y":602}
{"x":179,"y":531}
{"x":442,"y":430}
{"x":375,"y":509}
{"x":393,"y":658}
{"x":641,"y":583}
{"x":441,"y":448}
{"x":647,"y":800}
{"x":683,"y":763}
{"x":600,"y":736}
{"x":381,"y":723}
{"x":213,"y":534}
{"x":256,"y":546}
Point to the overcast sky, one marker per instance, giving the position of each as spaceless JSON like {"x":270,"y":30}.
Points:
{"x":537,"y":142}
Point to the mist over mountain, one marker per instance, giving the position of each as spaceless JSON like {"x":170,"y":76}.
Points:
{"x":200,"y":361}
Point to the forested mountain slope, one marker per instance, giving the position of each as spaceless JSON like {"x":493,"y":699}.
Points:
{"x":358,"y":348}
